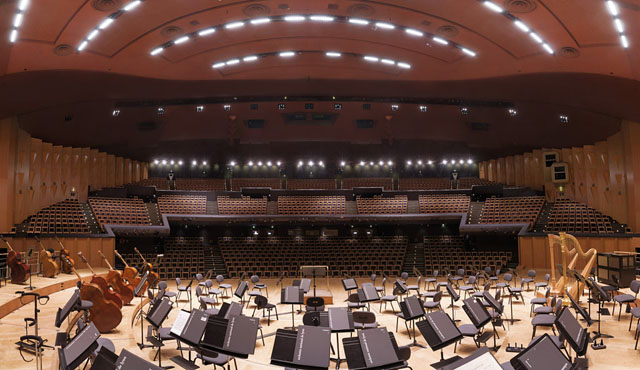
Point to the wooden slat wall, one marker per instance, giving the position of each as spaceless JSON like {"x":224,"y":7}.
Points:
{"x":600,"y":175}
{"x":35,"y":174}
{"x":88,"y":246}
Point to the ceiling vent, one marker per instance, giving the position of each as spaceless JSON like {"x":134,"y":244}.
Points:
{"x":256,"y":10}
{"x":171,"y":32}
{"x":520,"y":6}
{"x":63,"y":50}
{"x":569,"y":52}
{"x":448,"y":31}
{"x":107,"y":5}
{"x":361,"y":10}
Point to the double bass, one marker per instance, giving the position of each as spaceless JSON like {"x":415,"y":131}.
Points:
{"x":20,"y":271}
{"x":130,"y":274}
{"x":117,"y":283}
{"x":67,"y":268}
{"x":49,"y":266}
{"x":105,"y":314}
{"x":153,"y":276}
{"x":102,"y":283}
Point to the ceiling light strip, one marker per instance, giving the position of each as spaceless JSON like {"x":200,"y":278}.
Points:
{"x":18,"y":20}
{"x":108,"y":21}
{"x":614,"y":10}
{"x":289,"y":54}
{"x":374,"y":25}
{"x":518,"y":23}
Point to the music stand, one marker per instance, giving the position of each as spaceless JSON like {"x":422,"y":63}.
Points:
{"x":497,"y":307}
{"x":243,"y":286}
{"x":340,"y":321}
{"x":79,"y":348}
{"x":440,"y":330}
{"x":576,"y":335}
{"x":188,"y":328}
{"x":600,"y":296}
{"x":512,"y":320}
{"x":349,"y":284}
{"x":156,"y":317}
{"x":481,"y":358}
{"x":314,"y":272}
{"x":306,"y":348}
{"x":541,"y":354}
{"x":583,"y":280}
{"x":71,"y":304}
{"x":129,"y":361}
{"x":479,"y":316}
{"x":412,"y":310}
{"x":368,"y":294}
{"x":234,"y":337}
{"x":373,"y":349}
{"x":29,"y":254}
{"x":292,"y":295}
{"x":137,"y":292}
{"x":454,"y":298}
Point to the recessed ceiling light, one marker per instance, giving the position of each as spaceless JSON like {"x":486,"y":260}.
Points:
{"x":92,"y":34}
{"x":250,"y":58}
{"x":233,"y":25}
{"x":13,"y":35}
{"x":17,"y":21}
{"x":370,"y":58}
{"x":440,"y":40}
{"x":619,"y":25}
{"x":231,"y":62}
{"x":386,"y":26}
{"x":468,"y":52}
{"x":23,"y":5}
{"x":322,"y":18}
{"x":156,"y":51}
{"x":404,"y":65}
{"x":413,"y":32}
{"x":106,"y":23}
{"x":612,"y":7}
{"x":218,"y":65}
{"x":491,"y":5}
{"x":547,"y":48}
{"x":131,"y":5}
{"x":624,"y":41}
{"x":521,"y":26}
{"x":287,"y":54}
{"x":260,"y":21}
{"x":295,"y":18}
{"x":536,"y":37}
{"x":181,"y":40}
{"x":388,"y":61}
{"x":206,"y":31}
{"x":333,"y":54}
{"x":83,"y":45}
{"x":359,"y":21}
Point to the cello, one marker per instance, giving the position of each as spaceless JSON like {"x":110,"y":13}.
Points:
{"x":49,"y":266}
{"x":153,"y":276}
{"x":67,"y":268}
{"x":105,"y":314}
{"x":109,"y":295}
{"x":117,"y":283}
{"x":130,"y":274}
{"x":20,"y":271}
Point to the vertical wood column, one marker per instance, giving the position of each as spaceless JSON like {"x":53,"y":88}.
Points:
{"x":631,"y":137}
{"x":8,"y":149}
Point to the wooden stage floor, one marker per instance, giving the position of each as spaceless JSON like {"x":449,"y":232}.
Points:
{"x":619,"y":353}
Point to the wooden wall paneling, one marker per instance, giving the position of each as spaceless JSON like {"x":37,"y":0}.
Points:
{"x":126,"y":179}
{"x":135,"y":176}
{"x":66,"y":172}
{"x":602,"y":178}
{"x":578,"y":171}
{"x":34,"y":176}
{"x":493,"y":175}
{"x":509,"y":164}
{"x":22,"y":190}
{"x":617,"y":179}
{"x":8,"y":149}
{"x":482,"y":170}
{"x":56,"y":173}
{"x":566,"y":155}
{"x":537,"y":167}
{"x":501,"y":171}
{"x":528,"y":172}
{"x":518,"y":164}
{"x":76,"y":172}
{"x":46,"y":196}
{"x":94,"y":169}
{"x":590,"y":174}
{"x":111,"y":170}
{"x":145,"y":171}
{"x":85,"y":168}
{"x":119,"y":171}
{"x":631,"y":137}
{"x":102,"y":170}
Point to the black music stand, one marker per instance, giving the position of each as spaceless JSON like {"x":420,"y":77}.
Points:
{"x":480,"y":358}
{"x":234,"y":337}
{"x":306,"y":348}
{"x":349,"y":284}
{"x":314,"y":272}
{"x":292,"y":295}
{"x":188,"y":328}
{"x":479,"y":316}
{"x":367,"y":294}
{"x":541,"y":354}
{"x":156,"y":317}
{"x":79,"y":348}
{"x":243,"y":286}
{"x":499,"y":308}
{"x":68,"y":307}
{"x":601,"y":296}
{"x":576,"y":335}
{"x":129,"y":361}
{"x":412,"y":310}
{"x":454,"y":298}
{"x":29,"y":254}
{"x":137,"y":292}
{"x":440,"y":331}
{"x":340,"y":321}
{"x":583,"y":280}
{"x":512,"y":320}
{"x":373,"y":349}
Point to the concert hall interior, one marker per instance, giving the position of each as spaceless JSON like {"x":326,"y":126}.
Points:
{"x":310,"y":184}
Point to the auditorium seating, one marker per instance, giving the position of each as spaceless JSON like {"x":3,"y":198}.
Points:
{"x":183,"y":204}
{"x":201,"y":184}
{"x":444,"y":203}
{"x":159,"y":182}
{"x":270,"y":256}
{"x":119,"y":211}
{"x":183,"y":257}
{"x":242,"y":206}
{"x":355,"y":182}
{"x":446,"y":253}
{"x":511,"y":210}
{"x":66,"y":217}
{"x":573,"y":217}
{"x":382,"y":205}
{"x":239,"y":183}
{"x":298,"y":184}
{"x":468,"y":182}
{"x":424,"y":183}
{"x":311,"y":205}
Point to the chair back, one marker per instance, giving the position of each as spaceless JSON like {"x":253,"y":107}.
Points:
{"x":635,"y":286}
{"x":198,"y":291}
{"x":532,"y":273}
{"x":208,"y":283}
{"x":254,"y":279}
{"x":260,"y":301}
{"x":419,"y":280}
{"x":178,"y":282}
{"x":547,"y":277}
{"x":219,"y":279}
{"x":311,"y":318}
{"x":487,"y":287}
{"x":373,"y":277}
{"x":435,"y":273}
{"x":162,"y":285}
{"x":404,"y":275}
{"x":558,"y":307}
{"x":353,"y":298}
{"x":547,"y":293}
{"x":315,"y":302}
{"x":438,"y":296}
{"x":199,"y":277}
{"x":209,"y":274}
{"x":460,"y":272}
{"x":472,"y":280}
{"x":487,"y":270}
{"x":508,"y":277}
{"x":364,"y":317}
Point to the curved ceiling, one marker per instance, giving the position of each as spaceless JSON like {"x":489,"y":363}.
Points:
{"x":82,"y":58}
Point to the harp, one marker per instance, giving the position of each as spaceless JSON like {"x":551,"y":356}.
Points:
{"x":570,"y":249}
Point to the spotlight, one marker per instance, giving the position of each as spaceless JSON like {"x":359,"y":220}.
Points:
{"x":226,"y":107}
{"x":278,"y":163}
{"x":116,"y":112}
{"x":164,"y":162}
{"x":491,"y":5}
{"x":281,"y":106}
{"x":371,"y":163}
{"x":321,"y":164}
{"x":310,"y":163}
{"x":204,"y":163}
{"x":380,"y":163}
{"x":172,"y":163}
{"x":389,"y":163}
{"x":343,"y":163}
{"x":260,"y":164}
{"x":200,"y":108}
{"x":250,"y":163}
{"x":179,"y":163}
{"x":395,"y":107}
{"x":337,"y":106}
{"x":194,"y":163}
{"x":429,"y":162}
{"x":464,"y":111}
{"x":469,"y":161}
{"x":423,"y":108}
{"x":461,"y":161}
{"x":362,"y":163}
{"x":300,"y":163}
{"x":156,"y":162}
{"x":512,"y":112}
{"x":160,"y":111}
{"x":420,"y":163}
{"x":232,"y":163}
{"x":409,"y":163}
{"x":269,"y":164}
{"x":444,"y":161}
{"x":564,"y":119}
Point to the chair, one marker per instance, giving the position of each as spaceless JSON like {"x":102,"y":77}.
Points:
{"x":467,"y":330}
{"x":431,"y":280}
{"x":381,"y":288}
{"x":220,"y":360}
{"x":470,"y":286}
{"x":201,"y":282}
{"x":224,"y":287}
{"x":530,"y":279}
{"x":353,"y":302}
{"x":507,"y":281}
{"x":162,"y":286}
{"x":543,"y":284}
{"x":183,"y":289}
{"x":364,"y":320}
{"x":546,"y":321}
{"x":255,"y":280}
{"x":390,"y":299}
{"x":263,"y":304}
{"x":415,"y":287}
{"x":516,"y":292}
{"x":539,"y":301}
{"x":435,"y":303}
{"x":626,"y":298}
{"x":205,"y":302}
{"x":315,"y":304}
{"x":458,"y":276}
{"x":213,"y":292}
{"x":480,"y":293}
{"x":404,"y":276}
{"x":493,"y":278}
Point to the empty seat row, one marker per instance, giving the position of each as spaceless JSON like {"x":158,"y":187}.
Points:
{"x":511,"y":210}
{"x":66,"y":217}
{"x":242,"y":206}
{"x":436,"y":183}
{"x":444,"y":203}
{"x":183,"y":204}
{"x":119,"y":211}
{"x":299,"y":184}
{"x":382,"y":205}
{"x":312,"y":205}
{"x":239,"y":183}
{"x":379,"y":182}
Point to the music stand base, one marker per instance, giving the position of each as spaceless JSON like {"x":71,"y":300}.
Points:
{"x":597,"y":335}
{"x":445,"y":362}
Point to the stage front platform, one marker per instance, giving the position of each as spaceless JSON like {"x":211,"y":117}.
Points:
{"x":10,"y":301}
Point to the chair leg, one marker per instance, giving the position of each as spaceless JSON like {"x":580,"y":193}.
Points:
{"x":408,"y":331}
{"x":397,"y":318}
{"x":533,"y":335}
{"x":277,"y":314}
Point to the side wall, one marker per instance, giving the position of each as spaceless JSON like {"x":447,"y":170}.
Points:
{"x":35,"y":174}
{"x":600,"y":175}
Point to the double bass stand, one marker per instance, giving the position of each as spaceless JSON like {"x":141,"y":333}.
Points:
{"x":33,"y":343}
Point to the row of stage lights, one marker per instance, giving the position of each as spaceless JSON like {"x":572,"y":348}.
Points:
{"x":313,"y":163}
{"x":17,"y":20}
